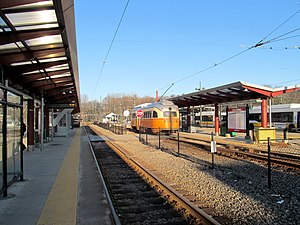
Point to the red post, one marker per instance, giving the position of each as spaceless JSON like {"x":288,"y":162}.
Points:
{"x":217,"y":121}
{"x":157,"y":96}
{"x":264,"y":113}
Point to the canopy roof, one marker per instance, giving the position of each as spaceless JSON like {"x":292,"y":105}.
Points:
{"x":229,"y":93}
{"x":38,"y":53}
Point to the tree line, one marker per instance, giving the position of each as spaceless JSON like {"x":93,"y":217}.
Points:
{"x":95,"y":110}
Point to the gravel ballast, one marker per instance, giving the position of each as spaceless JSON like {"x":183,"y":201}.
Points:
{"x":237,"y":189}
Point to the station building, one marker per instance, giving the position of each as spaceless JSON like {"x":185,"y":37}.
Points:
{"x":39,"y":82}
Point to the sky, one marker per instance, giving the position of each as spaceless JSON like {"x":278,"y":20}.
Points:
{"x":182,"y":45}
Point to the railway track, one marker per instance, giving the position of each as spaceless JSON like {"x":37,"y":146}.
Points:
{"x":282,"y":159}
{"x":138,"y":196}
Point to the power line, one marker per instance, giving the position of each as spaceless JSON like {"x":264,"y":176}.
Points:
{"x":274,"y":39}
{"x":279,"y":26}
{"x":258,"y":44}
{"x":285,"y":82}
{"x":110,"y":46}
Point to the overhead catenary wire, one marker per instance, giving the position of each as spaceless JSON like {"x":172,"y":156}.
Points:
{"x":110,"y":46}
{"x":285,"y":82}
{"x":279,"y":26}
{"x":278,"y":38}
{"x":258,"y":44}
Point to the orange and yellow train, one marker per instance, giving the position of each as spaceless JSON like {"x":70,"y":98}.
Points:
{"x":162,"y":115}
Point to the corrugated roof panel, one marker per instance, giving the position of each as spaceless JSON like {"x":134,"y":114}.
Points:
{"x":53,"y":59}
{"x":59,"y":67}
{"x":32,"y":5}
{"x":32,"y":18}
{"x":11,"y":46}
{"x":34,"y":50}
{"x":52,"y":39}
{"x":34,"y":27}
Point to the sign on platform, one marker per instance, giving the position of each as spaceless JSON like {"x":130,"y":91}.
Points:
{"x":213,"y":146}
{"x":139,"y":113}
{"x":126,"y":113}
{"x":237,"y":120}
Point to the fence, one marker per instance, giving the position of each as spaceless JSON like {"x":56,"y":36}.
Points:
{"x":160,"y":140}
{"x":115,"y":128}
{"x":286,"y":144}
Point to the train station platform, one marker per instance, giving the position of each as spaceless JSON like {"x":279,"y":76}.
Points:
{"x":61,"y":186}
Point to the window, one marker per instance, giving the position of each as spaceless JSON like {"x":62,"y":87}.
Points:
{"x":282,"y":117}
{"x":167,"y":114}
{"x":255,"y":116}
{"x":133,"y":115}
{"x":207,"y":118}
{"x":147,"y":114}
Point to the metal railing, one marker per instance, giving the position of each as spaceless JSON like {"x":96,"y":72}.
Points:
{"x":272,"y":147}
{"x":115,"y":128}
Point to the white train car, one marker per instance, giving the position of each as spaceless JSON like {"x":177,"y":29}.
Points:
{"x":283,"y":115}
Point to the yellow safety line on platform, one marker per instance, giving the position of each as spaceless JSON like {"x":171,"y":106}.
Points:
{"x":61,"y":204}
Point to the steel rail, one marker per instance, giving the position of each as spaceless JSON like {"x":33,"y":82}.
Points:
{"x":115,"y":217}
{"x":278,"y":161}
{"x":173,"y":196}
{"x":156,"y":182}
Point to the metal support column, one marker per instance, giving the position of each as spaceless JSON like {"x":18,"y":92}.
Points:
{"x":270,"y":112}
{"x":247,"y":123}
{"x":188,"y":119}
{"x":23,"y":127}
{"x":47,"y":125}
{"x":30,"y":125}
{"x":217,"y":121}
{"x":4,"y":147}
{"x":264,"y":114}
{"x":52,"y":126}
{"x":42,"y":122}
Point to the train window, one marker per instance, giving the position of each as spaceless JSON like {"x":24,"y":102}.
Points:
{"x":167,"y":114}
{"x":255,"y":116}
{"x":207,"y":118}
{"x":282,"y":117}
{"x":147,"y":115}
{"x":155,"y":115}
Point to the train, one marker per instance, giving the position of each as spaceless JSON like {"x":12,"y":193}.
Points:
{"x":283,"y":116}
{"x":158,"y":116}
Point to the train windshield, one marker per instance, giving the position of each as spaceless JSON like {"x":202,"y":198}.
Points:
{"x":167,"y":114}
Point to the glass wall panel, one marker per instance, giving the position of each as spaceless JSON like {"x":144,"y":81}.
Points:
{"x":13,"y":142}
{"x":17,"y":162}
{"x":12,"y":98}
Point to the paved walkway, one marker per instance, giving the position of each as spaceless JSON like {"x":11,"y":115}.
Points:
{"x":61,"y":187}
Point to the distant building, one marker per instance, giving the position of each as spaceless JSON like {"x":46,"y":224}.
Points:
{"x":110,"y":118}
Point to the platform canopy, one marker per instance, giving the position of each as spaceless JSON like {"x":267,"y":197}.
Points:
{"x":237,"y":91}
{"x":38,"y":54}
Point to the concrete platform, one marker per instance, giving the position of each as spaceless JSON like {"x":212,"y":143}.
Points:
{"x":61,"y":186}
